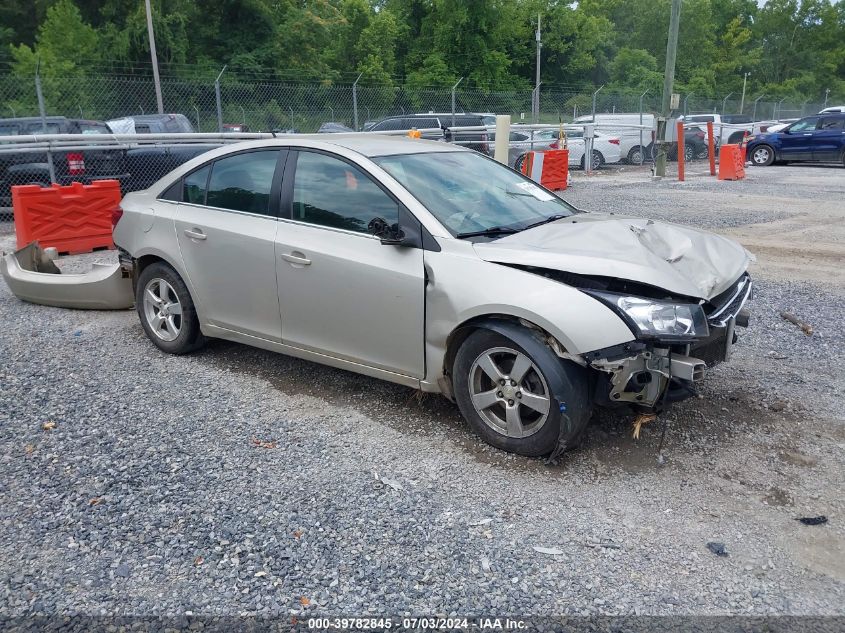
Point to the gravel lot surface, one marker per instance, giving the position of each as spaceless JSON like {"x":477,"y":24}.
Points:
{"x":238,"y":481}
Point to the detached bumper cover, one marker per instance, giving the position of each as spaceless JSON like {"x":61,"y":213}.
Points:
{"x":32,"y":276}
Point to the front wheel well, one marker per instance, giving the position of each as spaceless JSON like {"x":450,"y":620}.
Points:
{"x":463,"y":331}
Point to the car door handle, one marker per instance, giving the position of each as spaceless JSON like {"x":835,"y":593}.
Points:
{"x":195,"y":234}
{"x":808,"y":133}
{"x":296,"y":259}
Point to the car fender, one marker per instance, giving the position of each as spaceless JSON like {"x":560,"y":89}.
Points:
{"x":461,"y":288}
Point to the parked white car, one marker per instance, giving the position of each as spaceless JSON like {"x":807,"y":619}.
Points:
{"x":435,"y":267}
{"x":631,"y":148}
{"x":606,"y":149}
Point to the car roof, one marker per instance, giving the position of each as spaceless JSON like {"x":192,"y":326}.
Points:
{"x":372,"y":145}
{"x":369,"y":145}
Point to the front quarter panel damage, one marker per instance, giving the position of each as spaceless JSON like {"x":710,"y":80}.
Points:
{"x":460,"y":288}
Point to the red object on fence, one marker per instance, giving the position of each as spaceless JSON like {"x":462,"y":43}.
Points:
{"x":731,"y":166}
{"x":549,"y":168}
{"x":73,"y":219}
{"x":711,"y":148}
{"x":681,"y":151}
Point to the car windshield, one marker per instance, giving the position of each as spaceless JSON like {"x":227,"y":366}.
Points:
{"x":470,"y":193}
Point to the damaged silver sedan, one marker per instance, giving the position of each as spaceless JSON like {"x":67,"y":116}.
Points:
{"x":434,"y":267}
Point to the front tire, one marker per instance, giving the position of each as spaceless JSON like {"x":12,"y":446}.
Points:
{"x":762,"y":156}
{"x":510,"y":397}
{"x":167,"y":311}
{"x":598,"y":160}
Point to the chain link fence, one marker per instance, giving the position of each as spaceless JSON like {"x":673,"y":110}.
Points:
{"x":304,"y":106}
{"x":256,"y":106}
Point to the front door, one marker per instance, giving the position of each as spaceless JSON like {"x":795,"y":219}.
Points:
{"x":796,"y":142}
{"x":829,"y":139}
{"x":226,"y":226}
{"x":341,"y":291}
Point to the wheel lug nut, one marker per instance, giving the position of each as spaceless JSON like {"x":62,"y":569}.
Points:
{"x":499,"y":394}
{"x":513,"y":383}
{"x":510,"y":403}
{"x":518,"y":394}
{"x":502,"y":382}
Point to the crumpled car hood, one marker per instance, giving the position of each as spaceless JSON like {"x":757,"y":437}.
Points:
{"x":676,"y":258}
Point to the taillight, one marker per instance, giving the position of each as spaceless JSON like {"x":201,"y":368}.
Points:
{"x":75,"y":164}
{"x":615,"y":141}
{"x":116,"y":214}
{"x":554,"y":145}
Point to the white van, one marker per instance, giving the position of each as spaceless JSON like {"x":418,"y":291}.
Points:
{"x":628,"y":134}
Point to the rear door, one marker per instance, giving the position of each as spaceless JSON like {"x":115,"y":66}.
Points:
{"x":226,"y":227}
{"x":829,"y":139}
{"x":796,"y":142}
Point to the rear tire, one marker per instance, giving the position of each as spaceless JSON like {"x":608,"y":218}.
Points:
{"x":504,"y":413}
{"x":636,"y":155}
{"x":167,"y":311}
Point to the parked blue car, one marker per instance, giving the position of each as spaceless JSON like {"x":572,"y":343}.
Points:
{"x":819,"y":138}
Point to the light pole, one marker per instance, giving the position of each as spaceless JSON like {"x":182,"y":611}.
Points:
{"x":153,"y":57}
{"x":724,"y":101}
{"x":826,"y":95}
{"x":754,"y":114}
{"x":742,"y":99}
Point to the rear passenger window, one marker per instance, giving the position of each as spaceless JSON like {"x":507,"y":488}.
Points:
{"x":196,"y":184}
{"x":832,"y":124}
{"x":242,"y":182}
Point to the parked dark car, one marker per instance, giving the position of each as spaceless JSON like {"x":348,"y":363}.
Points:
{"x":136,"y":167}
{"x":21,"y":168}
{"x":819,"y":138}
{"x":479,"y":141}
{"x":695,"y":146}
{"x":332,"y":127}
{"x":160,"y":123}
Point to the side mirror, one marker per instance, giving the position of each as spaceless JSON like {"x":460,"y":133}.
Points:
{"x":388,"y":234}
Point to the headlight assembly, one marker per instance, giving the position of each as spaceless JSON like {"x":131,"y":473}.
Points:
{"x":649,"y":318}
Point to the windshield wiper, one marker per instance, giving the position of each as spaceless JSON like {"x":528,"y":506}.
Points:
{"x":490,"y":232}
{"x":551,"y":218}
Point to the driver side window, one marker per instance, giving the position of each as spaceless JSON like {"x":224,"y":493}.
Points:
{"x":805,"y":125}
{"x":331,"y":192}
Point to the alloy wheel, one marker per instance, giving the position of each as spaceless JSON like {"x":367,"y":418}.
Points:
{"x":509,"y":392}
{"x":162,"y":309}
{"x":761,"y":156}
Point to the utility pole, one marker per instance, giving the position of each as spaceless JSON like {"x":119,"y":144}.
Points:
{"x":668,"y":80}
{"x":742,"y":99}
{"x":537,"y":77}
{"x":154,"y":58}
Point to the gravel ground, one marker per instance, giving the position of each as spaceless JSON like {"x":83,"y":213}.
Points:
{"x":236,"y":481}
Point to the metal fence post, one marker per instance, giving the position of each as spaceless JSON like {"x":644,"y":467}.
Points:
{"x":355,"y":101}
{"x":724,"y":101}
{"x":219,"y":104}
{"x":50,"y":167}
{"x":642,"y":151}
{"x":197,"y":110}
{"x":594,"y":101}
{"x":291,"y":118}
{"x":754,"y":113}
{"x":453,"y":100}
